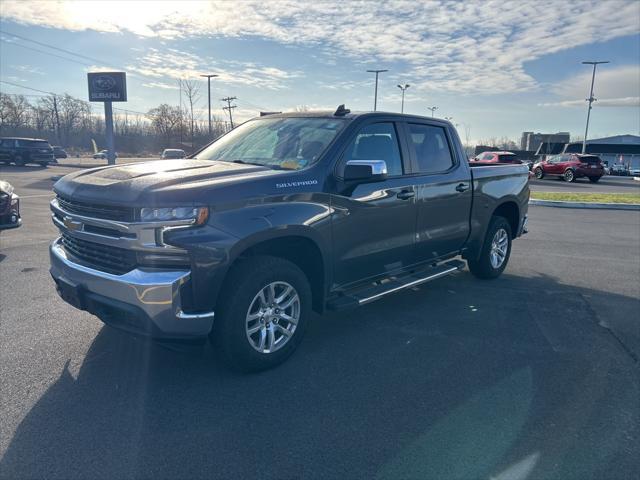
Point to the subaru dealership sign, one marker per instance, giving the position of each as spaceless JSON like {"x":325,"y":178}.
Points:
{"x":107,"y":86}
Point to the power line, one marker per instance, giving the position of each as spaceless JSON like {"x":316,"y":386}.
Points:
{"x":47,"y":53}
{"x":75,"y":98}
{"x":69,"y":52}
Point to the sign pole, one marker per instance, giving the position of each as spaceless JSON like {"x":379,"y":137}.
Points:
{"x":108,"y":122}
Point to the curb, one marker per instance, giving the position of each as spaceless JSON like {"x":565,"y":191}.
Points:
{"x":587,"y":205}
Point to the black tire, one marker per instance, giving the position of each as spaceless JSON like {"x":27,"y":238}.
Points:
{"x":19,"y":161}
{"x":594,"y":179}
{"x":539,"y":173}
{"x":569,"y":175}
{"x":482,"y":267}
{"x":244,"y":282}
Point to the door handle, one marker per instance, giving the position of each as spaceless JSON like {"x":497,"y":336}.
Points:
{"x":462,"y":187}
{"x":406,"y":194}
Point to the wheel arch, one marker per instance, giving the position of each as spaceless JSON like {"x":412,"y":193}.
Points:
{"x":297,"y":245}
{"x":511,"y":212}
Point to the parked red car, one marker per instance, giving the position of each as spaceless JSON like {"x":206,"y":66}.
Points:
{"x":9,"y":207}
{"x":497,"y":157}
{"x":570,"y":166}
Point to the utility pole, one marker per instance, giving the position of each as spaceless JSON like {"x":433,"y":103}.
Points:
{"x":590,"y":100}
{"x":229,"y":107}
{"x":209,"y":77}
{"x":180,"y":90}
{"x":375,"y":94}
{"x":403,"y":88}
{"x":55,"y":110}
{"x":433,"y":109}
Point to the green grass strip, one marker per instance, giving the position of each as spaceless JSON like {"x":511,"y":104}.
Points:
{"x":588,"y":197}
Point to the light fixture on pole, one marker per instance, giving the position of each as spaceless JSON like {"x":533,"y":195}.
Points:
{"x":433,"y":109}
{"x":590,"y":100}
{"x":375,"y":94}
{"x":403,"y":88}
{"x":209,"y":77}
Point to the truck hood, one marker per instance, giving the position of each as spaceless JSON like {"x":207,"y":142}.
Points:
{"x":164,"y":182}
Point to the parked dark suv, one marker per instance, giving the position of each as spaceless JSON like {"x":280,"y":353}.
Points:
{"x":25,"y":150}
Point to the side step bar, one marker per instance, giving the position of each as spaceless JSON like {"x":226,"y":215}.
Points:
{"x":371,"y":293}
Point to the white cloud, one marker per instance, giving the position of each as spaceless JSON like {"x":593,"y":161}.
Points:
{"x":615,"y":86}
{"x":178,"y":64}
{"x":165,"y":86}
{"x":446,"y":45}
{"x":606,"y":102}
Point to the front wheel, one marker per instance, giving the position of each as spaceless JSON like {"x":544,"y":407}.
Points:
{"x":569,"y":176}
{"x":19,"y":161}
{"x":594,"y":179}
{"x":495,"y":252}
{"x":263,"y":314}
{"x":538,"y":173}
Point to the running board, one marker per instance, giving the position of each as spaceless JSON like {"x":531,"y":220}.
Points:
{"x":371,"y":293}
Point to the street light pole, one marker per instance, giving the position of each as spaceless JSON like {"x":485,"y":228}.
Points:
{"x":375,"y":95}
{"x":209,"y":77}
{"x":590,"y":100}
{"x":433,"y":109}
{"x":403,"y":88}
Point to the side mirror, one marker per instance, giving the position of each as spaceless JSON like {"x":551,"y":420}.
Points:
{"x":365,"y":171}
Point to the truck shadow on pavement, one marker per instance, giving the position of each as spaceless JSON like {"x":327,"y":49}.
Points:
{"x":460,"y":379}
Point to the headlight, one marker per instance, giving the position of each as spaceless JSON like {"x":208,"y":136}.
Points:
{"x":14,"y":200}
{"x":198,"y":215}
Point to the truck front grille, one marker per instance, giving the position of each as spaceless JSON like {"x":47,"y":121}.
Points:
{"x":105,"y":258}
{"x":4,"y":201}
{"x":121,"y":214}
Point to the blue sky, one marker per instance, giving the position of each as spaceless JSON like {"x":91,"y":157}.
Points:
{"x":497,"y":68}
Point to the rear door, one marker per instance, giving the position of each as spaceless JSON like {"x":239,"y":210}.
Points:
{"x":443,"y":188}
{"x":373,"y":223}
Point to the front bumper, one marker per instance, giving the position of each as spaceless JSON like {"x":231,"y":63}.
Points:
{"x":142,"y":301}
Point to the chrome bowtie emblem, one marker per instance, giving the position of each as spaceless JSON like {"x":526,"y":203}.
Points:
{"x":71,"y":224}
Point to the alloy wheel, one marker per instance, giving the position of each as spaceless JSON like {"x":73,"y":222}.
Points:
{"x":499,"y":248}
{"x":272,"y":317}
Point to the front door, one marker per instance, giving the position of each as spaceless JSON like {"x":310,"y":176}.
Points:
{"x":373,"y":223}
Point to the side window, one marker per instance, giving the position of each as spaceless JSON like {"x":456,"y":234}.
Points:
{"x":431,"y":148}
{"x":377,"y":142}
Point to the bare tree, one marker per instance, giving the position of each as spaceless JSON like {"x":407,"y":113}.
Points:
{"x":15,"y":111}
{"x":165,"y":120}
{"x":192,"y":92}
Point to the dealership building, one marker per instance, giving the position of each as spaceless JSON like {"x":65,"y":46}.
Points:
{"x":531,"y":141}
{"x":620,"y":149}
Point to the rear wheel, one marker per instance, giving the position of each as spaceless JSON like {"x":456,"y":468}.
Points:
{"x":18,"y":160}
{"x":569,"y":175}
{"x":496,"y":250}
{"x":263,"y":314}
{"x":538,"y":173}
{"x":594,"y":179}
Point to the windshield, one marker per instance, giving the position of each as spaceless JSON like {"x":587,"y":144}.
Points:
{"x":281,"y":143}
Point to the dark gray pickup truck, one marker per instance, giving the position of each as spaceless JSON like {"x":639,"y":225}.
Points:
{"x":286,"y":214}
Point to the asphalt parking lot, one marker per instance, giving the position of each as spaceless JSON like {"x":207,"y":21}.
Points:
{"x":533,"y":375}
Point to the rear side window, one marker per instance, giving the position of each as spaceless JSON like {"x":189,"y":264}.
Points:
{"x":377,"y":142}
{"x":508,"y":159}
{"x":431,"y":148}
{"x":32,"y":143}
